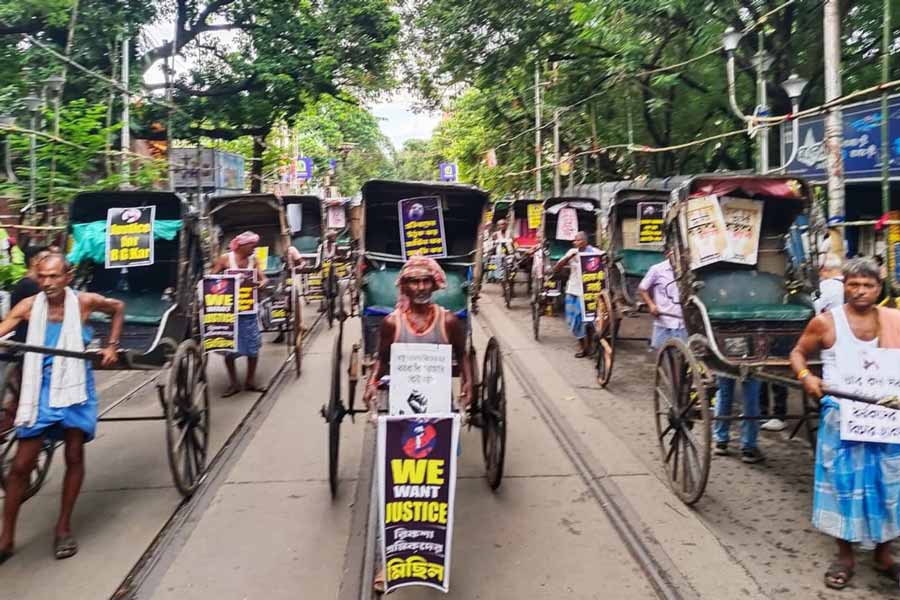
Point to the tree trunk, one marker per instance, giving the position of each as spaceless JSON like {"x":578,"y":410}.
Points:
{"x":256,"y":169}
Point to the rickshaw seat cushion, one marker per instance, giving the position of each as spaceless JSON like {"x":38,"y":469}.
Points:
{"x":380,"y":287}
{"x":760,"y":312}
{"x":637,"y":262}
{"x":558,"y":249}
{"x":749,"y":295}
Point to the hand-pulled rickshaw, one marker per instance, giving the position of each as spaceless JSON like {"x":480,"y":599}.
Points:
{"x":160,"y":332}
{"x":229,"y":216}
{"x":743,"y":310}
{"x":463,"y":208}
{"x":633,"y":242}
{"x":556,"y":236}
{"x":494,"y":255}
{"x":337,"y":265}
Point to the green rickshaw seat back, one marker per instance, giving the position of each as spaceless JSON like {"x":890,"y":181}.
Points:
{"x":558,"y":249}
{"x":306,"y":244}
{"x":749,"y":295}
{"x":140,"y":308}
{"x":380,"y":289}
{"x":637,"y":262}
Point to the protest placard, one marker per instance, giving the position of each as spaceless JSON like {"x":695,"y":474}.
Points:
{"x":129,"y":236}
{"x":593,"y":277}
{"x":421,"y":379}
{"x":247,"y":291}
{"x":706,"y":231}
{"x":417,"y":488}
{"x":535,"y":214}
{"x":422,"y":227}
{"x":743,"y":222}
{"x":650,"y":222}
{"x":218,"y":313}
{"x":567,"y":224}
{"x":870,"y":373}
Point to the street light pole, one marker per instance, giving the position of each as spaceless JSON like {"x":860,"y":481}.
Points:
{"x":763,"y":62}
{"x":126,"y":118}
{"x":537,"y":129}
{"x":8,"y":121}
{"x":33,"y":106}
{"x":834,"y":126}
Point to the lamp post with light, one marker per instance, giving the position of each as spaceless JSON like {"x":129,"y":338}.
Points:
{"x":793,"y":87}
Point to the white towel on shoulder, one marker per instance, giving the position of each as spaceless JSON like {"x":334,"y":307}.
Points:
{"x":68,"y":380}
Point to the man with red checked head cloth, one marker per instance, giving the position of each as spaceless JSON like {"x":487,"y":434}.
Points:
{"x":418,"y":320}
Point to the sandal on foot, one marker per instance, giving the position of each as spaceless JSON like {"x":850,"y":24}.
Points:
{"x":5,"y":555}
{"x":838,"y":575}
{"x":65,"y":547}
{"x":231,"y":392}
{"x":254,"y":388}
{"x":892,"y":572}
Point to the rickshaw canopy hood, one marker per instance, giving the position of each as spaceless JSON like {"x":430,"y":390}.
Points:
{"x":554,"y":205}
{"x":87,"y":207}
{"x":245,"y":211}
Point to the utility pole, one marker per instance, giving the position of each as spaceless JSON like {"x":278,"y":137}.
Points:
{"x":762,"y":108}
{"x":537,"y":129}
{"x":557,"y":179}
{"x":885,"y":137}
{"x":834,"y":126}
{"x":126,"y":118}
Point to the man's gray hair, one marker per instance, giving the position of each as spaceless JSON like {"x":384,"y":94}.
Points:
{"x":862,"y":267}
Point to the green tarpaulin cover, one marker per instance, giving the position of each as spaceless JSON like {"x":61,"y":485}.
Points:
{"x":90,"y":239}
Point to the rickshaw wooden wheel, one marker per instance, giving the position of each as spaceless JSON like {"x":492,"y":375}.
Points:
{"x":334,"y":415}
{"x":607,"y":336}
{"x":296,"y":330}
{"x":11,"y":387}
{"x":353,"y":375}
{"x":187,"y":417}
{"x":683,"y":421}
{"x":493,"y":414}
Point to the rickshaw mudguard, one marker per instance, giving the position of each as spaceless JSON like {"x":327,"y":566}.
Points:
{"x":637,"y":262}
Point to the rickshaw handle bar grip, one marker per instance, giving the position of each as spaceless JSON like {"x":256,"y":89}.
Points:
{"x":20,"y":347}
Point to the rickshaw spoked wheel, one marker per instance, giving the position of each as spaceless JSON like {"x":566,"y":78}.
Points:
{"x":11,"y":388}
{"x":334,"y":415}
{"x":187,"y":417}
{"x":606,"y":337}
{"x":683,"y":421}
{"x":493,"y":414}
{"x":296,"y":330}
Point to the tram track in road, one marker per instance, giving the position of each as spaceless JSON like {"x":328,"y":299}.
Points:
{"x":667,"y":582}
{"x":150,"y":568}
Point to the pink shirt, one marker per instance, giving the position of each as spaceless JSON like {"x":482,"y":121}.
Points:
{"x":659,"y":282}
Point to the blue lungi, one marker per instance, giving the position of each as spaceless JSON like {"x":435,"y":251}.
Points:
{"x":574,"y":318}
{"x":249,"y":339}
{"x":51,"y":421}
{"x":856,"y":494}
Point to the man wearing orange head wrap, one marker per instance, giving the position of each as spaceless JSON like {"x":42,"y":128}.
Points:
{"x":242,"y":256}
{"x":418,"y":320}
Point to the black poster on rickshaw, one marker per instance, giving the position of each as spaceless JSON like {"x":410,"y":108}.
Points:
{"x":592,"y":280}
{"x":422,"y":227}
{"x":129,"y":236}
{"x":247,"y":291}
{"x":278,"y":310}
{"x":218,"y":313}
{"x":417,"y":475}
{"x":650,"y":222}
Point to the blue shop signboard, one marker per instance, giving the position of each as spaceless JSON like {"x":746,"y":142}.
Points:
{"x":862,"y":143}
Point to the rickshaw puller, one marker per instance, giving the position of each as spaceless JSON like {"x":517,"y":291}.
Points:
{"x":418,"y":320}
{"x":57,"y":398}
{"x":242,"y":257}
{"x":855,"y":487}
{"x":574,"y":318}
